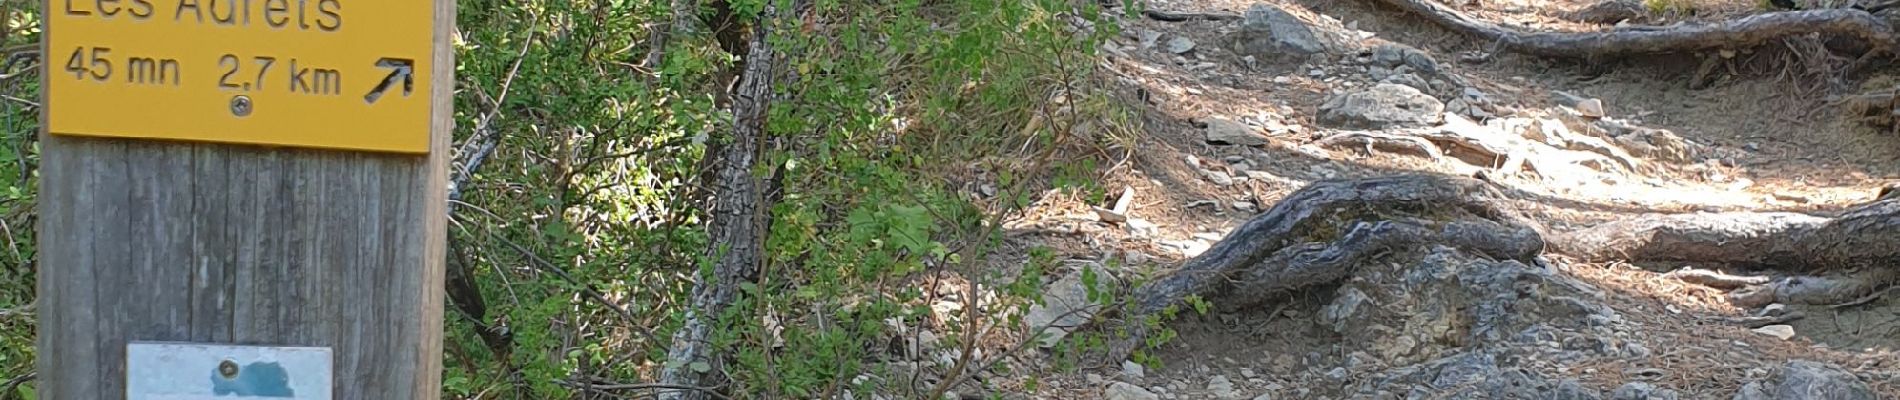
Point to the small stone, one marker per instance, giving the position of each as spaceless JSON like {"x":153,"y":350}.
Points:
{"x":1141,"y":228}
{"x":1753,"y":391}
{"x":1752,"y":147}
{"x":1316,"y":73}
{"x":1149,"y":38}
{"x":1218,"y":178}
{"x":1473,"y":93}
{"x":1065,"y":307}
{"x":1245,"y":206}
{"x":1591,"y":108}
{"x":1337,"y":375}
{"x":1125,"y":391}
{"x":1782,"y":332}
{"x":1222,"y":387}
{"x":1247,"y":373}
{"x":1180,"y":45}
{"x":1222,"y":131}
{"x":1641,"y":391}
{"x":1772,"y":310}
{"x":1132,"y":370}
{"x":1283,"y":79}
{"x":1095,"y":379}
{"x":1264,"y":396}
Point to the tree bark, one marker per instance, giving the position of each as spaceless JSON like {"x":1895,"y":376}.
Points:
{"x":737,"y":226}
{"x":1747,"y":31}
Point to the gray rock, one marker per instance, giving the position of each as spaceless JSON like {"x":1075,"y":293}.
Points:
{"x":1592,"y":108}
{"x":1340,"y":313}
{"x":1607,"y":12}
{"x":1264,"y":396}
{"x":1065,"y":306}
{"x":1393,"y":55}
{"x":1149,"y":38}
{"x":1382,"y":106}
{"x":1753,"y":391}
{"x":1642,"y":391}
{"x":1808,"y":380}
{"x":1658,"y":144}
{"x":1273,"y":35}
{"x":1125,"y":391}
{"x":1569,"y":389}
{"x":1218,"y":178}
{"x":1408,"y":80}
{"x":1230,"y":132}
{"x":1221,"y":387}
{"x":1783,"y":332}
{"x":1180,"y":45}
{"x":1133,"y":370}
{"x":1337,"y":375}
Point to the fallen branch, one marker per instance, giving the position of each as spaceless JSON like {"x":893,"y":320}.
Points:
{"x":1169,"y":16}
{"x":648,"y":387}
{"x":1747,"y":31}
{"x":1766,"y":320}
{"x":1381,"y":141}
{"x":1715,"y":279}
{"x":14,"y":384}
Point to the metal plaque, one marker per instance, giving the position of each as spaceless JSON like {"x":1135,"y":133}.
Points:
{"x":333,"y":74}
{"x":188,"y":371}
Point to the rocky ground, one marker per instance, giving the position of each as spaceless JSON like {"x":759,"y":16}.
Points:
{"x":1246,"y":102}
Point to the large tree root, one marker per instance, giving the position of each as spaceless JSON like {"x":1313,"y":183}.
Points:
{"x":1321,"y":233}
{"x":1748,"y":31}
{"x":1866,"y":236}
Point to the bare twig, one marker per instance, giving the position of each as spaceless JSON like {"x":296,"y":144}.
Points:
{"x":633,"y":322}
{"x":13,"y":384}
{"x":645,"y":386}
{"x":486,"y":136}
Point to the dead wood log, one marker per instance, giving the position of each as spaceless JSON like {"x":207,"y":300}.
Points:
{"x":1742,"y":32}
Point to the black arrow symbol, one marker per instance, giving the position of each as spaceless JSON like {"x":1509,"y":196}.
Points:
{"x":399,"y":68}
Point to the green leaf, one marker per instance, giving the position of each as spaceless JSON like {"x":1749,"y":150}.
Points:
{"x":700,"y":367}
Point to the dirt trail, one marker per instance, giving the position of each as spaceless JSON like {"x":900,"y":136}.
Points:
{"x":1755,"y":141}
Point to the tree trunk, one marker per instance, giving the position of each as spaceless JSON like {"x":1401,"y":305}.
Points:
{"x":737,"y":226}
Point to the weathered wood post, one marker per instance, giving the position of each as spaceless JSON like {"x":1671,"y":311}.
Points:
{"x":243,"y":197}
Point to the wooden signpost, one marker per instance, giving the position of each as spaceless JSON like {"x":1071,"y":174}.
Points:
{"x":243,"y":197}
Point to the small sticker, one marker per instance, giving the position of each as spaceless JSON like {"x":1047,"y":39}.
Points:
{"x":185,"y":371}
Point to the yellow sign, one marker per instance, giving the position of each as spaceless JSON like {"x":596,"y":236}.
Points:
{"x":340,"y":74}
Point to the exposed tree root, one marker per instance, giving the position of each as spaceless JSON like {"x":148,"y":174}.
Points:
{"x":1321,"y":233}
{"x":1866,"y":236}
{"x":1742,"y":32}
